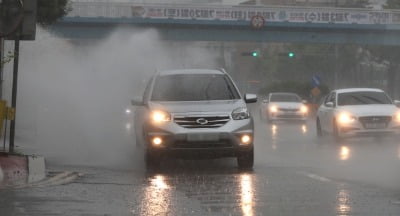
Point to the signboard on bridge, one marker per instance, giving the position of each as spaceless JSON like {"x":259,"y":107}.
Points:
{"x":234,"y":13}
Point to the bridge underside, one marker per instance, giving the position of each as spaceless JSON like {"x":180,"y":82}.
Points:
{"x":306,"y":33}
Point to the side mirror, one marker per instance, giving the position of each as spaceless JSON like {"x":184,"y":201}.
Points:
{"x":397,"y":103}
{"x":329,"y":104}
{"x":137,"y":102}
{"x":250,"y":98}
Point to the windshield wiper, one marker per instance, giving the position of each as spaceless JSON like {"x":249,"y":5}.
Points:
{"x":374,"y":99}
{"x":357,"y":98}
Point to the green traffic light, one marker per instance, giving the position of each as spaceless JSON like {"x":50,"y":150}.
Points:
{"x":291,"y":54}
{"x":254,"y":54}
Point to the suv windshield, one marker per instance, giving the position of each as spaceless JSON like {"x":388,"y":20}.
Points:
{"x":284,"y":98}
{"x":361,"y":98}
{"x":193,"y":87}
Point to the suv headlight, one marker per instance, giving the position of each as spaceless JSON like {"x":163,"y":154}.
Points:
{"x":240,"y":113}
{"x":158,"y":116}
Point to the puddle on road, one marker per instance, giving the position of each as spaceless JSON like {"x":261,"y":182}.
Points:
{"x":344,"y":153}
{"x":246,"y":194}
{"x":216,"y":194}
{"x":343,"y":207}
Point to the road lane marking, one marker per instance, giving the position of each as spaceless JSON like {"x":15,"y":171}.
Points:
{"x":396,"y":202}
{"x":316,"y":177}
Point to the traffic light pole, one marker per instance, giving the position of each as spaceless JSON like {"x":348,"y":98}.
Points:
{"x":336,"y":68}
{"x":14,"y":92}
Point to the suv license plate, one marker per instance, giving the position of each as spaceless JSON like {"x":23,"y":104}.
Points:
{"x":202,"y":137}
{"x":375,"y":125}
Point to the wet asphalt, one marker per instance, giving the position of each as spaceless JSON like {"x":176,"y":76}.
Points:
{"x":295,"y":173}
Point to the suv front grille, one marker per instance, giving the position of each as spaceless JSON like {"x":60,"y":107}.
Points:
{"x":201,"y":121}
{"x":200,"y":145}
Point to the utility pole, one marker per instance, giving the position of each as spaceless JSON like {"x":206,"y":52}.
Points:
{"x":1,"y":65}
{"x":14,"y":90}
{"x":1,"y":62}
{"x":17,"y":22}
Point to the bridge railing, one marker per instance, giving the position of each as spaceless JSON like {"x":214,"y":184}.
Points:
{"x":233,"y":13}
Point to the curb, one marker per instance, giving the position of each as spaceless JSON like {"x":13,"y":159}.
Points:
{"x":20,"y":169}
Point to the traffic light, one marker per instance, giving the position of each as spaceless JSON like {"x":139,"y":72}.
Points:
{"x":254,"y":53}
{"x":291,"y":54}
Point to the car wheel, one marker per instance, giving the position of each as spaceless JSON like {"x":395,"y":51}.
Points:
{"x":246,"y":160}
{"x":320,"y":133}
{"x":336,"y":132}
{"x":151,"y":160}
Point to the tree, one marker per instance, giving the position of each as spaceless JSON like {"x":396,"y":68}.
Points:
{"x":391,"y":54}
{"x":392,"y":4}
{"x":49,"y":11}
{"x":356,"y":4}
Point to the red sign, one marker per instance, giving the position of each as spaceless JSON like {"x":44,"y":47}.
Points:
{"x":257,"y":21}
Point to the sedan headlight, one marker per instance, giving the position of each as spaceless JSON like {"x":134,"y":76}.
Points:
{"x":397,"y":117}
{"x":273,"y":109}
{"x":240,"y":113}
{"x":345,"y":118}
{"x":158,"y":116}
{"x":304,"y":109}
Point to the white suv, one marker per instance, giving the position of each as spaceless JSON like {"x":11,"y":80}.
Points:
{"x":194,"y":113}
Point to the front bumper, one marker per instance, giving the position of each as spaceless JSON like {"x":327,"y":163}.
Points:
{"x":283,"y":115}
{"x":359,"y":129}
{"x":178,"y":141}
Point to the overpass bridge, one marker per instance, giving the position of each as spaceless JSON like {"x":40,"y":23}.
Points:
{"x":235,"y":23}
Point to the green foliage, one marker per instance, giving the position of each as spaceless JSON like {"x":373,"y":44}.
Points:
{"x":49,"y":11}
{"x":301,"y":88}
{"x":356,"y":4}
{"x":392,"y":4}
{"x":7,"y":58}
{"x":391,"y":55}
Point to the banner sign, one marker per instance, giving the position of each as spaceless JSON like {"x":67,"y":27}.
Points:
{"x":234,"y":13}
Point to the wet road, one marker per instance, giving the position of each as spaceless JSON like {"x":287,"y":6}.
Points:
{"x":295,"y":174}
